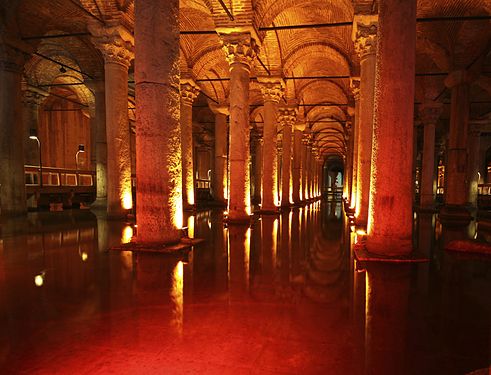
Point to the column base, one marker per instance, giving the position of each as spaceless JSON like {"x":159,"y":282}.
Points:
{"x":99,"y":204}
{"x":363,"y":256}
{"x":453,"y":215}
{"x":239,"y":220}
{"x":274,"y":211}
{"x":189,"y":207}
{"x":427,"y":209}
{"x":176,"y":248}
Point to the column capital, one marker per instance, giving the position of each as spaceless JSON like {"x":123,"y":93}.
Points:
{"x":299,"y":127}
{"x":239,"y":48}
{"x":364,"y":34}
{"x":430,"y":112}
{"x":115,"y":42}
{"x":354,"y":83}
{"x":459,"y":77}
{"x":219,"y":109}
{"x":189,"y":91}
{"x":287,"y":116}
{"x":272,"y":88}
{"x":33,"y":97}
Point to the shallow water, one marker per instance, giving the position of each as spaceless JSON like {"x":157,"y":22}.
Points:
{"x":281,"y":297}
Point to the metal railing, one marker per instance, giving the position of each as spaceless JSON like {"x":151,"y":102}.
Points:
{"x":58,"y":177}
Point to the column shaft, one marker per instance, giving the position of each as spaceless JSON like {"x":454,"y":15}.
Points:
{"x":12,"y":180}
{"x":391,"y":189}
{"x":99,"y":123}
{"x":187,"y":154}
{"x":427,"y":197}
{"x":220,"y":176}
{"x":258,"y":151}
{"x":473,"y":177}
{"x":367,"y":89}
{"x":158,"y":142}
{"x":270,"y":157}
{"x":356,"y":140}
{"x":297,"y":166}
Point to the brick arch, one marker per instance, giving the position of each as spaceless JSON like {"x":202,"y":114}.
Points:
{"x":268,"y":10}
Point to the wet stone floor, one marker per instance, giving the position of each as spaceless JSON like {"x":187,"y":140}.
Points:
{"x":283,"y":296}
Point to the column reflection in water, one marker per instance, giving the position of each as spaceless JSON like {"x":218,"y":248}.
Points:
{"x":426,"y":236}
{"x":387,"y":300}
{"x":284,"y":250}
{"x":296,"y":244}
{"x":265,"y":273}
{"x":219,"y":239}
{"x":159,"y":281}
{"x":239,"y":253}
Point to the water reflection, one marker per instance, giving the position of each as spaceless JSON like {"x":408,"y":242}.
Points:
{"x":282,"y":295}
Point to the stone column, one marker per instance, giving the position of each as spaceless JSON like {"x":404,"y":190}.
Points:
{"x":355,"y":89}
{"x":32,"y":99}
{"x":12,"y":180}
{"x":348,"y":161}
{"x":473,"y":166}
{"x":189,"y":92}
{"x":391,"y":188}
{"x":429,"y":114}
{"x":297,"y":163}
{"x":220,"y":171}
{"x":305,"y":190}
{"x":456,"y":187}
{"x":240,"y":49}
{"x":258,"y":151}
{"x":364,"y":35}
{"x":272,"y":89}
{"x":116,"y":45}
{"x":309,"y":162}
{"x":287,"y":118}
{"x":158,"y":131}
{"x":98,"y":125}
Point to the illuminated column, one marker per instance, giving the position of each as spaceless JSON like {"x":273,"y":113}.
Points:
{"x":158,"y":134}
{"x":309,"y":168}
{"x":456,"y":189}
{"x":365,"y":37}
{"x":287,"y":118}
{"x":355,"y":89}
{"x":473,"y":168}
{"x":12,"y":180}
{"x":297,"y":163}
{"x":189,"y":92}
{"x":241,"y":50}
{"x":98,"y":125}
{"x":258,"y":151}
{"x":116,"y":44}
{"x":32,"y":100}
{"x":429,"y":114}
{"x":348,"y":161}
{"x":220,"y":170}
{"x":391,"y":189}
{"x":272,"y":89}
{"x":305,"y":190}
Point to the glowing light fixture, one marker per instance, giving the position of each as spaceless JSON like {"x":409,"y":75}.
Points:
{"x":39,"y":279}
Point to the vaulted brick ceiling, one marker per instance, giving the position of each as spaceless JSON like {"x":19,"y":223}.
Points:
{"x":442,"y":46}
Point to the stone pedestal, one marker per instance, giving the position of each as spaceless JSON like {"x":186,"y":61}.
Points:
{"x":272,"y":89}
{"x":12,"y":180}
{"x":240,"y":49}
{"x":220,"y":170}
{"x":429,"y":114}
{"x":364,"y":34}
{"x":287,"y":118}
{"x":158,"y":138}
{"x":189,"y":92}
{"x":391,"y":189}
{"x":116,"y":45}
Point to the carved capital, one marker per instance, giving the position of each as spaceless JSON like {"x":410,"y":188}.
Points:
{"x":189,"y":91}
{"x":272,"y":88}
{"x":222,"y":108}
{"x":429,"y":113}
{"x":355,"y":87}
{"x":364,"y":34}
{"x":239,"y":48}
{"x":287,"y":116}
{"x":115,"y":42}
{"x":33,"y":97}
